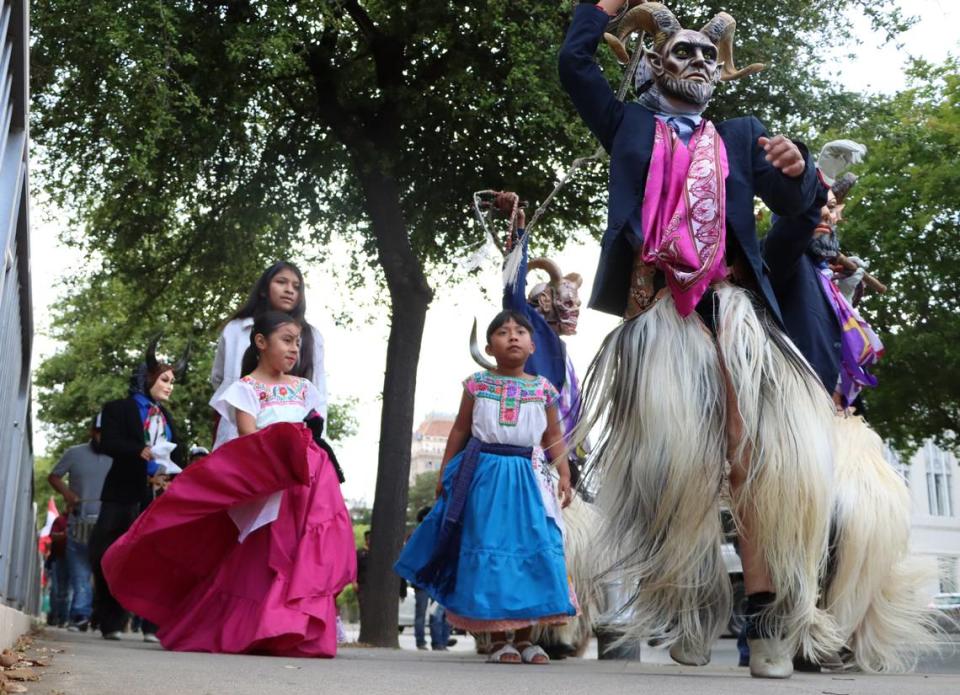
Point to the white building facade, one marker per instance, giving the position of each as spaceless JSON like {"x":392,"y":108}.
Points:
{"x":429,"y":443}
{"x":935,"y":529}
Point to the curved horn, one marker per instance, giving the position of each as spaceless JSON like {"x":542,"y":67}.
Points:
{"x":574,"y":278}
{"x":720,"y":30}
{"x":475,"y":350}
{"x":180,"y":368}
{"x":553,"y":270}
{"x":652,"y":18}
{"x":151,"y":355}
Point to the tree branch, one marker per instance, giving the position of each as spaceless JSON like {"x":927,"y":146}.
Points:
{"x":362,"y":19}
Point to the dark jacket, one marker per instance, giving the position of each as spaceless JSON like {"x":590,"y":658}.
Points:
{"x":809,"y":319}
{"x":121,"y":438}
{"x":626,"y":131}
{"x":549,"y":359}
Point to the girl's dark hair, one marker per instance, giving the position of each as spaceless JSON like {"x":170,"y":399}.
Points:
{"x":508,"y":315}
{"x":264,"y":324}
{"x":259,"y":302}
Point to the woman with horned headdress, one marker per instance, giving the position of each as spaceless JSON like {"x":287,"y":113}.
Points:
{"x":699,"y":390}
{"x":138,"y":433}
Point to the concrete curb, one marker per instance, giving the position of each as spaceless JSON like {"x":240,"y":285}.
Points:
{"x":13,"y":624}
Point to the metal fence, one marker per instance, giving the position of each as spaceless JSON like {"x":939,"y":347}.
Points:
{"x":19,"y":559}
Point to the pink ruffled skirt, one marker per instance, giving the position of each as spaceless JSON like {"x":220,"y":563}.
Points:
{"x":181,"y":565}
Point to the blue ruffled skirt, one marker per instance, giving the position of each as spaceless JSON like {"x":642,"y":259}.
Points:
{"x":511,"y":564}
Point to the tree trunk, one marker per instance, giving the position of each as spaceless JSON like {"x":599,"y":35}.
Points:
{"x":410,"y":295}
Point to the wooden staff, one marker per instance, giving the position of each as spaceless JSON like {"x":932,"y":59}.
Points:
{"x":868,"y":279}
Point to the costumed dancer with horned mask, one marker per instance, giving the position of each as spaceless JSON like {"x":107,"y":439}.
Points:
{"x":248,"y":548}
{"x":872,"y":587}
{"x":138,"y":433}
{"x":700,"y":386}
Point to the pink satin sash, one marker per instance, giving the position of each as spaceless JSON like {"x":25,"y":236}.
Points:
{"x":684,"y":206}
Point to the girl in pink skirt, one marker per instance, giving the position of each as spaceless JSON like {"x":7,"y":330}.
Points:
{"x":248,"y":548}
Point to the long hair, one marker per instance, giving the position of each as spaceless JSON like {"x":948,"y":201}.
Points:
{"x":258,"y":302}
{"x":264,"y":324}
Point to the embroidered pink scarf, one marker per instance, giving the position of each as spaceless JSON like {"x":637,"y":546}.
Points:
{"x":684,"y":206}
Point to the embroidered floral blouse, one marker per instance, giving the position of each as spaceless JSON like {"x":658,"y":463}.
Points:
{"x":269,"y":403}
{"x":510,"y":410}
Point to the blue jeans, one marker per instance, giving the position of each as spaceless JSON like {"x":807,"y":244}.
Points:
{"x":59,"y":591}
{"x":439,"y":628}
{"x":420,"y":616}
{"x":81,"y":580}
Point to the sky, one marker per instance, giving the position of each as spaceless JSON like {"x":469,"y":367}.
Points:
{"x":355,"y":355}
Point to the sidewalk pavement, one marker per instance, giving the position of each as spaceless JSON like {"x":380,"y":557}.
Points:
{"x":89,"y":665}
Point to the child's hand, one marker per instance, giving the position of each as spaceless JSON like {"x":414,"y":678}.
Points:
{"x":565,"y":491}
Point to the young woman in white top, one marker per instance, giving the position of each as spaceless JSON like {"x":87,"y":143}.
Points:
{"x":280,"y":288}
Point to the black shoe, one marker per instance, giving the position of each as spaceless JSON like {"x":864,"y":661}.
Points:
{"x":805,"y":665}
{"x":452,"y":642}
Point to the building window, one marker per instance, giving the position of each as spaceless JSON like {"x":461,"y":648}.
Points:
{"x":939,"y":480}
{"x":947,"y":569}
{"x":893,"y":458}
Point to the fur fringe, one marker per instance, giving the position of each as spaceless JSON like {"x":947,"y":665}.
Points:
{"x":656,"y":396}
{"x":580,"y":522}
{"x":875,"y":590}
{"x":787,"y":437}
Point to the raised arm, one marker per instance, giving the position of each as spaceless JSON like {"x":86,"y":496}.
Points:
{"x":580,"y":75}
{"x":515,"y":290}
{"x":784,"y":174}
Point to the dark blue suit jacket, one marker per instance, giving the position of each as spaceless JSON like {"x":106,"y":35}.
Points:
{"x":626,"y":132}
{"x":809,"y":319}
{"x":549,"y":359}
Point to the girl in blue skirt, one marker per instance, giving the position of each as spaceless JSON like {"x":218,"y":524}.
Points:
{"x":489,"y":551}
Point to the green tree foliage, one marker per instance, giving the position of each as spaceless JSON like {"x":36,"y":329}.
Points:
{"x":422,"y":494}
{"x":903,"y":216}
{"x":341,"y":419}
{"x":195,"y":140}
{"x":42,"y":492}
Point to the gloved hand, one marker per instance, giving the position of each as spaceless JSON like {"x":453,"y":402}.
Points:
{"x":314,"y":421}
{"x":848,"y":281}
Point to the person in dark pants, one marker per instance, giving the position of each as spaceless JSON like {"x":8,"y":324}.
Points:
{"x":86,"y":468}
{"x":137,"y":433}
{"x":59,"y":574}
{"x":362,"y":555}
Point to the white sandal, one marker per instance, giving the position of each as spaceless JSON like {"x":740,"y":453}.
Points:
{"x":531,"y":652}
{"x":507,"y":648}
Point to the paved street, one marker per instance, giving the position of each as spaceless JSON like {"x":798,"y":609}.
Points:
{"x":92,"y":666}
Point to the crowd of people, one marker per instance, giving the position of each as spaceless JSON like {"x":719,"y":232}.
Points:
{"x":734,"y":378}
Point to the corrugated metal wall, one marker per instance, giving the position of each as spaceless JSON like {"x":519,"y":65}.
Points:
{"x":19,"y":560}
